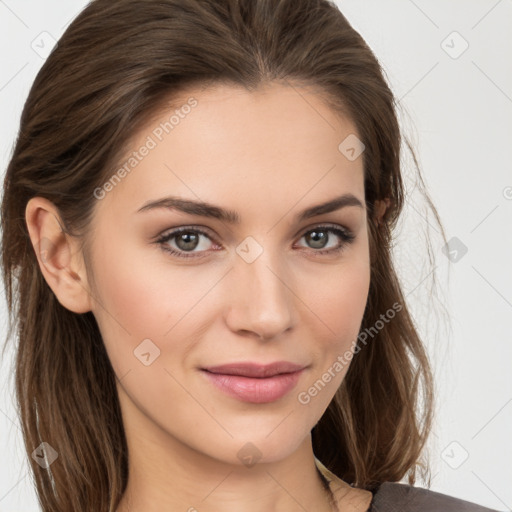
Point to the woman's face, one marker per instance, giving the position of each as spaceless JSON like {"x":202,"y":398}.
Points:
{"x":270,"y":286}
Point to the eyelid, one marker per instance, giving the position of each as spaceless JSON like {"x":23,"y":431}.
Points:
{"x":210,"y":233}
{"x":347,"y":237}
{"x":185,"y":228}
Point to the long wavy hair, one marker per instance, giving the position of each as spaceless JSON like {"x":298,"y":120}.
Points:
{"x":116,"y":65}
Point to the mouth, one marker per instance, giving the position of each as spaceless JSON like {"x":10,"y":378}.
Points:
{"x":255,"y":383}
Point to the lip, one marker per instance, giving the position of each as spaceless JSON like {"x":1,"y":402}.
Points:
{"x":253,"y":382}
{"x":249,"y":369}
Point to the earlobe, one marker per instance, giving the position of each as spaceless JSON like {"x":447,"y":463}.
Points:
{"x":58,"y":255}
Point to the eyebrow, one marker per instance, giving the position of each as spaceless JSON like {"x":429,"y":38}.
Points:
{"x":203,"y":209}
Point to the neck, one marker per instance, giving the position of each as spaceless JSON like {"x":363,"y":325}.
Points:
{"x":196,"y":483}
{"x":166,"y":474}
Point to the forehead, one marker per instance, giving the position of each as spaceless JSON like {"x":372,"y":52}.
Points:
{"x":225,"y":144}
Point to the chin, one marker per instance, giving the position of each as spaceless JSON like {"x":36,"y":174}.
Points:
{"x":263,"y":443}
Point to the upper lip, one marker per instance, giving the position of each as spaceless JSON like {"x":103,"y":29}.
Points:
{"x":249,"y":369}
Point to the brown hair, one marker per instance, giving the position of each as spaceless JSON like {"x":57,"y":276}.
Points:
{"x":114,"y":67}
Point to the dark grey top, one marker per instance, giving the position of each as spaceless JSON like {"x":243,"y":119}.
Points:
{"x":399,"y":497}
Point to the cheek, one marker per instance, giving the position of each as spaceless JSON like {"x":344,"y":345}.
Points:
{"x":139,"y":298}
{"x":130,"y":303}
{"x":338,"y":299}
{"x":142,"y":296}
{"x":338,"y":307}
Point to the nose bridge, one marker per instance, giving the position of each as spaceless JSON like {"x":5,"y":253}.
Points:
{"x":262,"y":301}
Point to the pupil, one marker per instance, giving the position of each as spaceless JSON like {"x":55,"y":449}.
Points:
{"x":188,"y":238}
{"x":319,"y":238}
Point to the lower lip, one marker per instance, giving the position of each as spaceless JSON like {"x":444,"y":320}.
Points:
{"x":254,"y":390}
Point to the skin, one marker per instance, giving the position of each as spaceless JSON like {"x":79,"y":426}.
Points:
{"x":267,"y":155}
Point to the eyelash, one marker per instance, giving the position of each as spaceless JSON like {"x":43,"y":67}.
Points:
{"x":346,"y":236}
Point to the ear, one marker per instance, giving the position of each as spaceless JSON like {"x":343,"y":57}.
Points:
{"x":58,"y":254}
{"x":381,"y":205}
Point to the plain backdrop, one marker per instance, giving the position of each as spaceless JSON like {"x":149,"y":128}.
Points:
{"x":449,"y":65}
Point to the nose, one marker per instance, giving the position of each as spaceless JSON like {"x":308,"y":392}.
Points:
{"x":261,"y":297}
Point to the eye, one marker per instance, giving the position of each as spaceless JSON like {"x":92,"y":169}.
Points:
{"x":186,"y":240}
{"x":319,"y":238}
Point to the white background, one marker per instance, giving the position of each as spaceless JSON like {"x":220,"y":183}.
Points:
{"x":458,"y":111}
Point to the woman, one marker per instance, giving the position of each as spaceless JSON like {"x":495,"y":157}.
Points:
{"x":197,"y":220}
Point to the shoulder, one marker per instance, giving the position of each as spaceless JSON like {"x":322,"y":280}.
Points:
{"x":416,"y":499}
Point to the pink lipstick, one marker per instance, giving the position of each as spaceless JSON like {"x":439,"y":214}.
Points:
{"x":255,"y":383}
